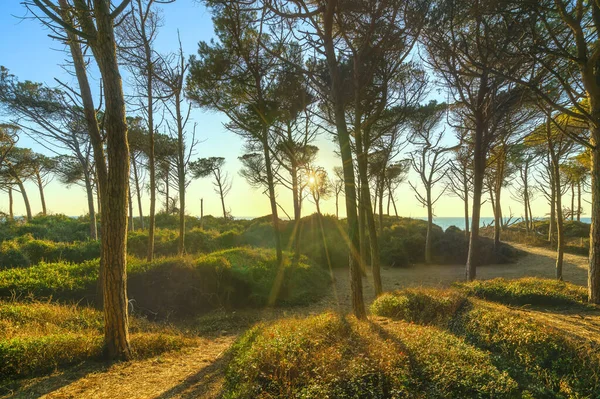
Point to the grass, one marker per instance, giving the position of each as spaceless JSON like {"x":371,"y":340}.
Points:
{"x":39,"y":337}
{"x":527,"y":291}
{"x":238,"y":277}
{"x":545,"y":360}
{"x":329,"y":356}
{"x":423,"y":306}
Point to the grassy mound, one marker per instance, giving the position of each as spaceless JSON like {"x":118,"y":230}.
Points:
{"x":58,"y":228}
{"x":26,"y":250}
{"x":231,"y":278}
{"x":327,"y":356}
{"x":39,"y":337}
{"x":545,"y":360}
{"x":527,"y":291}
{"x":423,"y":306}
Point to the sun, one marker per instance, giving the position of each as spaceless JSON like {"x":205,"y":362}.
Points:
{"x":311,"y":180}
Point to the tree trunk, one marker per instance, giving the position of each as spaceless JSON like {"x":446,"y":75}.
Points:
{"x":97,"y":143}
{"x":25,"y":199}
{"x":273,"y":200}
{"x":11,"y":214}
{"x":297,"y":210}
{"x":394,"y":205}
{"x":138,"y":191}
{"x":594,"y":257}
{"x":358,"y":305}
{"x":558,"y":190}
{"x":180,"y":173}
{"x":579,"y":201}
{"x":131,"y":226}
{"x":572,"y":201}
{"x":479,"y":155}
{"x":381,"y":192}
{"x":497,"y":221}
{"x":531,"y":220}
{"x":366,"y":205}
{"x":114,"y":213}
{"x":40,"y":185}
{"x":337,"y":208}
{"x":552,"y":224}
{"x":90,"y":199}
{"x":429,"y":226}
{"x":466,"y":198}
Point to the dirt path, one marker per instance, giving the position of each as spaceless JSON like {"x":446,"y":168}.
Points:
{"x":198,"y":372}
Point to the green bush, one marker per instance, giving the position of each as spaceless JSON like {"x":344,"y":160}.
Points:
{"x":60,"y":228}
{"x":59,"y":280}
{"x":527,"y":291}
{"x":328,"y":356}
{"x":180,"y":286}
{"x":26,"y":251}
{"x":423,"y":306}
{"x":546,"y":361}
{"x":38,"y":338}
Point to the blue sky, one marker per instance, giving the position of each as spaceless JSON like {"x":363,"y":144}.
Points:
{"x":29,"y":53}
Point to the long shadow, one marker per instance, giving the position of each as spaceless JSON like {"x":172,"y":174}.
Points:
{"x":206,"y":383}
{"x":48,"y":384}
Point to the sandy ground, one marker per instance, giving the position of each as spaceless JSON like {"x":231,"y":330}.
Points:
{"x":198,"y":372}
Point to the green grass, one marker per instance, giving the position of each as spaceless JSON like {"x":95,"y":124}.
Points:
{"x":166,"y":287}
{"x":527,"y":291}
{"x":328,"y":356}
{"x":420,"y":305}
{"x":545,"y":360}
{"x":37,"y":337}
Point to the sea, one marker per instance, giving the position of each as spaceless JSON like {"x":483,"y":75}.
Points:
{"x":445,"y":222}
{"x":458,"y":221}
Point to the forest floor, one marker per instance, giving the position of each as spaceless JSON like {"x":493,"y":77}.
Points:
{"x":198,"y":372}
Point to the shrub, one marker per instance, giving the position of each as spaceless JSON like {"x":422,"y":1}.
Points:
{"x":423,"y":306}
{"x":60,"y":228}
{"x":546,"y":361}
{"x":26,"y":251}
{"x":41,"y":337}
{"x":60,"y":280}
{"x":527,"y":291}
{"x":180,"y":286}
{"x":328,"y":356}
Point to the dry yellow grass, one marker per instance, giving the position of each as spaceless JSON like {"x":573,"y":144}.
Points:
{"x":198,"y":372}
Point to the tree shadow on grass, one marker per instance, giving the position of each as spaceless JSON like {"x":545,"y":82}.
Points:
{"x":208,"y":382}
{"x":39,"y":386}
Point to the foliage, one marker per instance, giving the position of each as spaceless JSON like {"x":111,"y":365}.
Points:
{"x":546,"y":361}
{"x":41,"y":337}
{"x":237,"y":277}
{"x":329,"y":356}
{"x":26,"y":251}
{"x":527,"y":291}
{"x":423,"y":306}
{"x":60,"y":228}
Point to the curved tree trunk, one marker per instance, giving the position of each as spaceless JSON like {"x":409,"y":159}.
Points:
{"x":40,"y":185}
{"x":25,"y":199}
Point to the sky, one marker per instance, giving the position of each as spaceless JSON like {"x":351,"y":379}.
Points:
{"x":28,"y":52}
